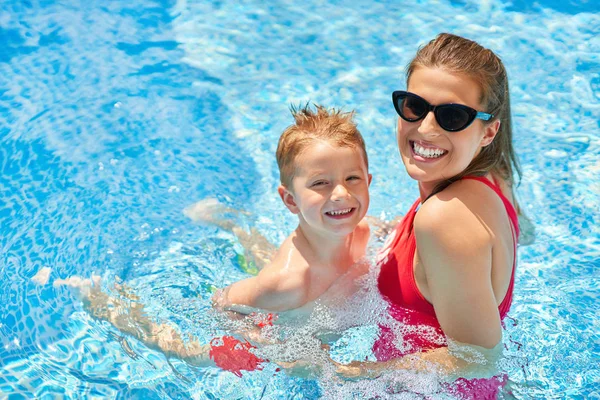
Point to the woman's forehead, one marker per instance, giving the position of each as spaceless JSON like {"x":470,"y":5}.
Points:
{"x":440,"y":86}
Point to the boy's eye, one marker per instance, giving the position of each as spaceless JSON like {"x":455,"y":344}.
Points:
{"x":318,"y":183}
{"x":353,"y":178}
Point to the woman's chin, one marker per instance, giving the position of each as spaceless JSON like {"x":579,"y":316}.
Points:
{"x":432,"y":174}
{"x":418,"y":174}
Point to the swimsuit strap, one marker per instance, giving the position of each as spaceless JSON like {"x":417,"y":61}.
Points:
{"x":510,"y":209}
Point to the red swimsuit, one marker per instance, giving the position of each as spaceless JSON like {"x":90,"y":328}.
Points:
{"x":397,"y":284}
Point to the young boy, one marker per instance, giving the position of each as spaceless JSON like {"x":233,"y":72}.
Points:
{"x":325,"y":181}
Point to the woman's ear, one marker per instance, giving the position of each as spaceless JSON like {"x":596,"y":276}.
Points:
{"x":288,"y":199}
{"x":490,"y":132}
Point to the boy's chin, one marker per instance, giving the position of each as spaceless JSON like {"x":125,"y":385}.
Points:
{"x":342,"y":231}
{"x":331,"y":230}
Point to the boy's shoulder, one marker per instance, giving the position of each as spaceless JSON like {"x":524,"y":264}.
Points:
{"x":363,"y":227}
{"x":362,"y":235}
{"x":289,"y":263}
{"x":285,"y":280}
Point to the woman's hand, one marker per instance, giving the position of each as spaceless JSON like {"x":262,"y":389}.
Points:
{"x":309,"y":369}
{"x":352,"y":371}
{"x":380,"y":228}
{"x":300,"y":368}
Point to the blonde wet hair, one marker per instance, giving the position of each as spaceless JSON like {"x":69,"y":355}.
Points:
{"x":333,"y":126}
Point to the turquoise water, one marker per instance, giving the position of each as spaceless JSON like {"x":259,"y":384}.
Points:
{"x":114,"y":116}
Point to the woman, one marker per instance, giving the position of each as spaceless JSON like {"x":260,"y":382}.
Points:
{"x":448,"y":266}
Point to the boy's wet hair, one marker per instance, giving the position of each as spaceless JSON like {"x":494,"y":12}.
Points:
{"x":320,"y":124}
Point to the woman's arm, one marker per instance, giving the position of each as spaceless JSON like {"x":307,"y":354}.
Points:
{"x":457,"y":360}
{"x":454,"y":246}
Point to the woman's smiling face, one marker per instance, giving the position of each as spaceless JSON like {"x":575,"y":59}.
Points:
{"x":430,"y":153}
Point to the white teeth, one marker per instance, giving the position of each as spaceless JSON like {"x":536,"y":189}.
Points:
{"x":339,"y":212}
{"x":427,"y":152}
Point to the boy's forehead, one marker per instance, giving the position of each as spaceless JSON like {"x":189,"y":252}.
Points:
{"x":325,"y":155}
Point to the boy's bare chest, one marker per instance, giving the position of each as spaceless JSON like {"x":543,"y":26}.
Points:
{"x":333,"y":283}
{"x":320,"y":281}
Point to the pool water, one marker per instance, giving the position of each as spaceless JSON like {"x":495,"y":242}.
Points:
{"x":115,"y":116}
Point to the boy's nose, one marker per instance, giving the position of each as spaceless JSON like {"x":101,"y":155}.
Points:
{"x":339,"y":192}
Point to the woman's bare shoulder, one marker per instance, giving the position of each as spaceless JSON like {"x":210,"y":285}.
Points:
{"x":464,"y":210}
{"x":463,"y":198}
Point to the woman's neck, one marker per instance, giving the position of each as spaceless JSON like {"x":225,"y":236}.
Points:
{"x":426,"y":188}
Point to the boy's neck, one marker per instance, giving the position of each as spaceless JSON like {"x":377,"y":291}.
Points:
{"x":329,"y":249}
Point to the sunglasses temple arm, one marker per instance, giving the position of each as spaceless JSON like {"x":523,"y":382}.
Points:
{"x":484,"y":116}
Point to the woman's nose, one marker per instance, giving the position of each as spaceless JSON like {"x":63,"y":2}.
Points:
{"x":429,"y":125}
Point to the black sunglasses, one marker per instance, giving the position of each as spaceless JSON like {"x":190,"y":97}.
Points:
{"x":451,"y":117}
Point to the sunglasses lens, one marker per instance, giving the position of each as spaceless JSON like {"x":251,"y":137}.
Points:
{"x":414,"y":108}
{"x":453,"y":118}
{"x":410,"y":108}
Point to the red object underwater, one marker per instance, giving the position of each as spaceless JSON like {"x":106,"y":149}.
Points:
{"x":262,"y":320}
{"x":233,"y":355}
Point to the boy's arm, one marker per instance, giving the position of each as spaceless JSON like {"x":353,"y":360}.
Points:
{"x":270,"y":290}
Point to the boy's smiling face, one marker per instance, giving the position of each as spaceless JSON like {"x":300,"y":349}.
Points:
{"x":330,"y":189}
